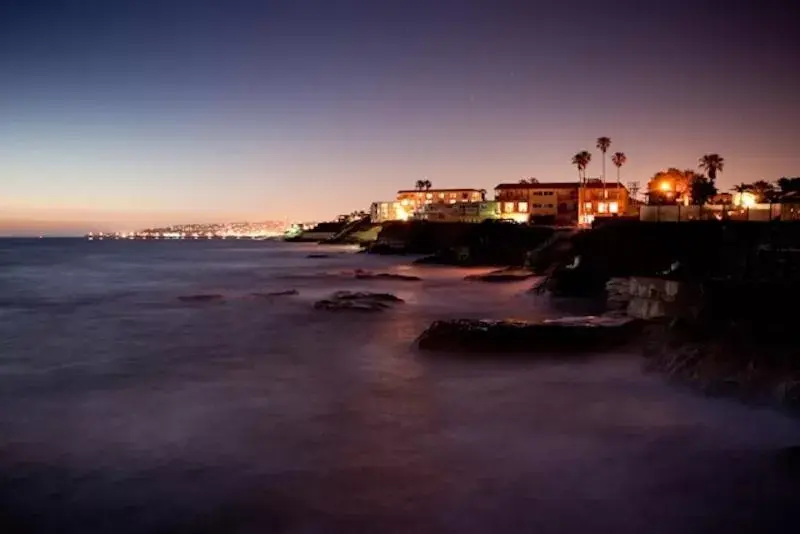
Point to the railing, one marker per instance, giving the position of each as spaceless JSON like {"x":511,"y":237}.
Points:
{"x":759,"y":212}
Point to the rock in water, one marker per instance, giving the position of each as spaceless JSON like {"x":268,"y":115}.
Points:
{"x":357,"y":301}
{"x":502,"y":275}
{"x":571,"y":334}
{"x":200,"y":298}
{"x":285,"y":293}
{"x":361,"y":274}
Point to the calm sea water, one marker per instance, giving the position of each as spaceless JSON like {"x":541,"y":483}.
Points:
{"x":123,"y":409}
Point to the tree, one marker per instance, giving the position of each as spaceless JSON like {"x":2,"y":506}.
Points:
{"x":701,"y":189}
{"x":712,"y":164}
{"x":789,"y":185}
{"x":581,"y":161}
{"x":742,"y":188}
{"x":483,"y":195}
{"x":420,"y":185}
{"x":670,"y":186}
{"x":619,"y":159}
{"x":764,"y":191}
{"x":602,"y":144}
{"x":427,"y":185}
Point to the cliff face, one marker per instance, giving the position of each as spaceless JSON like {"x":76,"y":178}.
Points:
{"x":490,"y":243}
{"x":688,"y":251}
{"x":741,"y":343}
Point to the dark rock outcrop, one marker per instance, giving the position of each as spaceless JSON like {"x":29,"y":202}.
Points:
{"x":318,"y":256}
{"x":357,"y":301}
{"x":361,"y":274}
{"x":502,"y":275}
{"x":285,"y":293}
{"x":575,"y":334}
{"x":739,"y":340}
{"x":201,"y":298}
{"x":491,"y":243}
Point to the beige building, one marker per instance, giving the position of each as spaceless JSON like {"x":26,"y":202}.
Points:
{"x":561,"y":202}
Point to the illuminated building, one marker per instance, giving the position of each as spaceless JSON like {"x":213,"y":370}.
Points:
{"x":559,"y":202}
{"x":414,"y":204}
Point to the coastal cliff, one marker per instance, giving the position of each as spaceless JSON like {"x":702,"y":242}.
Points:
{"x":720,"y":317}
{"x":491,"y":243}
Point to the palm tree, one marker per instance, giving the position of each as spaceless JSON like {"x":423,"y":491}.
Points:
{"x":603,"y":143}
{"x":764,"y":190}
{"x":742,"y":188}
{"x":619,"y":159}
{"x":581,"y":161}
{"x":420,"y":185}
{"x":712,"y":164}
{"x":427,"y":185}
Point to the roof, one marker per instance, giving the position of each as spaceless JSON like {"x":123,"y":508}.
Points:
{"x":434,"y":190}
{"x":560,"y":185}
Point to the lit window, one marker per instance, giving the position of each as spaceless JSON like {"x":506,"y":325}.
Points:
{"x":404,"y":202}
{"x":523,"y":207}
{"x":601,"y":207}
{"x":452,"y":201}
{"x":429,"y":195}
{"x":441,"y":195}
{"x":613,"y":207}
{"x":587,"y":206}
{"x":508,"y":207}
{"x":452,"y":195}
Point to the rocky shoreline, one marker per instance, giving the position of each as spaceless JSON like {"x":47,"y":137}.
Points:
{"x":708,"y":302}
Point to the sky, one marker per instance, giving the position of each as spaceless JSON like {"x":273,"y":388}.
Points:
{"x":118,"y":115}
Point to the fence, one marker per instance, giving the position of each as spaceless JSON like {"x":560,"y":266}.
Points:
{"x":759,"y":212}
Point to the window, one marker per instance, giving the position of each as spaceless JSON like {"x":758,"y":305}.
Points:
{"x":452,"y":195}
{"x":587,"y":206}
{"x":613,"y":207}
{"x":537,"y":205}
{"x":601,"y":207}
{"x":508,"y":207}
{"x":523,"y":207}
{"x":428,"y":195}
{"x":452,"y":201}
{"x":404,"y":202}
{"x":441,"y":195}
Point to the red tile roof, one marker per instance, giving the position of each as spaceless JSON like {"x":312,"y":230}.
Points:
{"x":560,"y":185}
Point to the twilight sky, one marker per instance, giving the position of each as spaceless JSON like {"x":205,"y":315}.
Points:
{"x":119,"y":114}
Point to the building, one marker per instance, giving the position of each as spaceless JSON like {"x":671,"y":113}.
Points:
{"x":410,"y":203}
{"x":559,"y":202}
{"x":390,"y":210}
{"x":473,"y":212}
{"x":416,"y":197}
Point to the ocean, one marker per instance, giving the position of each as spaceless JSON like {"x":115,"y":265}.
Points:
{"x":124,"y":409}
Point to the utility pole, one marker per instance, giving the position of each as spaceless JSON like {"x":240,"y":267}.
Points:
{"x":633,"y":188}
